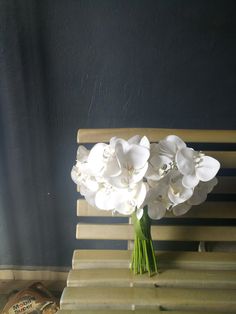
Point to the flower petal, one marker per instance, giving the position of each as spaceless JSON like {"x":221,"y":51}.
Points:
{"x":109,"y":199}
{"x":176,"y":141}
{"x":141,"y":193}
{"x":139,"y":213}
{"x":145,"y":142}
{"x":82,"y":153}
{"x":156,"y":210}
{"x":184,"y":160}
{"x":95,"y":158}
{"x":75,"y":174}
{"x":198,"y":197}
{"x":179,"y":194}
{"x":207,"y":168}
{"x":181,"y":209}
{"x":137,"y":175}
{"x":190,"y":181}
{"x":125,"y":208}
{"x":134,"y":139}
{"x":112,"y":168}
{"x":137,"y":156}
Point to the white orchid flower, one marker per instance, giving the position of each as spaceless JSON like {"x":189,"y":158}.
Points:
{"x":124,"y":201}
{"x":177,"y":192}
{"x":109,"y":197}
{"x":102,"y":161}
{"x":135,"y":199}
{"x":199,"y":196}
{"x":78,"y":172}
{"x":170,"y":145}
{"x":201,"y":190}
{"x":157,"y":199}
{"x":158,"y":165}
{"x":195,"y":166}
{"x":166,"y":194}
{"x":162,"y":156}
{"x":132,"y":159}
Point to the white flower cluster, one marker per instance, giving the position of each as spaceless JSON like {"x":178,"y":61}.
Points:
{"x":124,"y":176}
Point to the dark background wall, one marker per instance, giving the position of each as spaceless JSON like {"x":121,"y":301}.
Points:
{"x":70,"y":64}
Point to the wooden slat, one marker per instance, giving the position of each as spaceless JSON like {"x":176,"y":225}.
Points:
{"x":84,"y":259}
{"x":107,"y":311}
{"x":145,"y":298}
{"x":7,"y":286}
{"x":172,"y":278}
{"x":163,"y":233}
{"x":89,"y":259}
{"x":32,"y":273}
{"x":225,"y":210}
{"x":154,"y":135}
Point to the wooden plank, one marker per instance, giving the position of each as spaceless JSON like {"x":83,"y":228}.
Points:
{"x":161,"y":233}
{"x":32,"y":273}
{"x":149,"y":298}
{"x":7,"y":286}
{"x":155,"y":134}
{"x":172,"y":278}
{"x":225,"y":210}
{"x":107,"y":311}
{"x":90,"y":259}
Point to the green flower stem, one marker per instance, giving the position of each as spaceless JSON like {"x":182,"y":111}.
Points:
{"x":143,"y":257}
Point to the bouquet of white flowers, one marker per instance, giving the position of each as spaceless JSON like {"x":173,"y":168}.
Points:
{"x":144,"y":180}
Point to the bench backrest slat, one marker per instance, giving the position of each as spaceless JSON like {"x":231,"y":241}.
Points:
{"x":154,"y":135}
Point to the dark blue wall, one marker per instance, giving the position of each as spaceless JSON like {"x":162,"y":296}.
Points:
{"x":70,"y":64}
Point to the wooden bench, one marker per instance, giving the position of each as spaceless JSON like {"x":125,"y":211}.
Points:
{"x":189,"y":281}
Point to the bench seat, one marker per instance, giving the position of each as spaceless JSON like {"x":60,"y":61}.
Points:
{"x":189,"y":281}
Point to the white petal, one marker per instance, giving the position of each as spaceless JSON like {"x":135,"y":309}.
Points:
{"x":138,"y":175}
{"x":207,"y":168}
{"x":125,"y":208}
{"x":134,"y":140}
{"x":139,"y":213}
{"x":82,"y":153}
{"x":156,"y":210}
{"x":90,"y":197}
{"x":184,"y":160}
{"x":137,"y":156}
{"x":166,"y":148}
{"x":140,"y":194}
{"x":75,"y":174}
{"x":92,"y":184}
{"x":145,"y":142}
{"x":180,"y":195}
{"x":181,"y":209}
{"x":113,"y":142}
{"x":112,"y":168}
{"x":108,"y":200}
{"x":197,"y":198}
{"x":158,"y":161}
{"x":190,"y":181}
{"x":95,"y":158}
{"x":177,"y":141}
